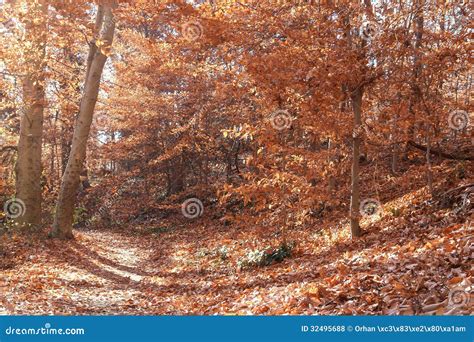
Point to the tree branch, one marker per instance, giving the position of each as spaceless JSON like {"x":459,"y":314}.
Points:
{"x":440,"y":153}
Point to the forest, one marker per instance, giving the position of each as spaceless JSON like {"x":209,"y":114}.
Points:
{"x":236,"y":157}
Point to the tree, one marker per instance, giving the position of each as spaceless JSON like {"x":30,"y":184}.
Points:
{"x":99,"y":50}
{"x":28,"y":166}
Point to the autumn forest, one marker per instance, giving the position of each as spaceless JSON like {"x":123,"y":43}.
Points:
{"x":236,"y":157}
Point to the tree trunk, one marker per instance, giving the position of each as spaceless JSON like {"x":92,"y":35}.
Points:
{"x":429,"y":172}
{"x":415,"y":86}
{"x":394,"y":136}
{"x":356,"y":94}
{"x":332,"y":178}
{"x":356,"y":98}
{"x":63,"y":220}
{"x":176,"y":176}
{"x":28,"y":167}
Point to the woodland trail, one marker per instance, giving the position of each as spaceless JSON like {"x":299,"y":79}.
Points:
{"x":99,"y":272}
{"x":114,"y":272}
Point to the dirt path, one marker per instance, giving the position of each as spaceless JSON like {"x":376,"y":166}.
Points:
{"x":99,"y":272}
{"x":113,"y":273}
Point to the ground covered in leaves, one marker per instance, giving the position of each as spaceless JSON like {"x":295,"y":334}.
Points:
{"x":415,"y":257}
{"x":407,"y":265}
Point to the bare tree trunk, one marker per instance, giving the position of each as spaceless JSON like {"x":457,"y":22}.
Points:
{"x":429,"y":172}
{"x":394,"y":164}
{"x":176,"y":176}
{"x":356,"y":98}
{"x":416,"y":91}
{"x":417,"y":94}
{"x":63,"y":220}
{"x":394,"y":136}
{"x":332,"y":178}
{"x":28,"y":167}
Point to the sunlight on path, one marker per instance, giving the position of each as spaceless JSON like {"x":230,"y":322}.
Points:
{"x":108,"y":272}
{"x":99,"y":272}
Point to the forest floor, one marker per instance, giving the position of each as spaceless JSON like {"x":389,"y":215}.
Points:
{"x":413,"y":259}
{"x":107,"y":272}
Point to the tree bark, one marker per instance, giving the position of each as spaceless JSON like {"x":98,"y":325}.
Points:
{"x":415,"y":86}
{"x":356,"y":98}
{"x":356,"y":93}
{"x":28,"y":167}
{"x":429,"y":172}
{"x":63,"y":220}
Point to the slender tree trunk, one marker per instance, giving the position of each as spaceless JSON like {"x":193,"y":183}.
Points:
{"x":429,"y":172}
{"x":332,"y":178}
{"x":394,"y":136}
{"x":63,"y":220}
{"x":356,"y":94}
{"x":417,"y":68}
{"x":176,"y":176}
{"x":28,"y":167}
{"x":394,"y":164}
{"x":99,"y":21}
{"x":356,"y":98}
{"x":416,"y":91}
